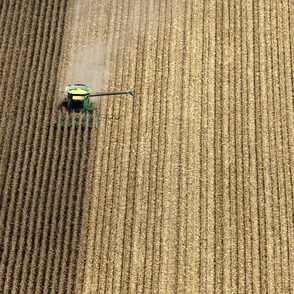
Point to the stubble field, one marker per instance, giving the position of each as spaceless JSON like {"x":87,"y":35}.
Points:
{"x":186,"y":188}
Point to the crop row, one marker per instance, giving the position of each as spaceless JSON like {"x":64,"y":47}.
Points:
{"x":44,"y":169}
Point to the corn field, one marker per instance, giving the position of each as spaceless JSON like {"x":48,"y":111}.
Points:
{"x":186,"y":187}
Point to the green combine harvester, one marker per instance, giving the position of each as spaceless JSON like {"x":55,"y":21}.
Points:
{"x":78,"y":104}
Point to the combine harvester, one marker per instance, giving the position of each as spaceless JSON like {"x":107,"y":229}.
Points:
{"x":77,"y":103}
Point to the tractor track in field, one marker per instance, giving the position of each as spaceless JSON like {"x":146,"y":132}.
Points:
{"x":186,"y":188}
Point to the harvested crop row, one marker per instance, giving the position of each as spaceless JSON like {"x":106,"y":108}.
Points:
{"x":135,"y":234}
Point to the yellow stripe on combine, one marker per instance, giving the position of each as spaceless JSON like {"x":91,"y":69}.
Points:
{"x":78,"y":91}
{"x":76,"y":97}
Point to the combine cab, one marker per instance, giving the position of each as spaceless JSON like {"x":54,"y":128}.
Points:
{"x":78,"y":105}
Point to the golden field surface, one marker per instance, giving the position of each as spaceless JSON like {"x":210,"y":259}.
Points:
{"x":185,"y":188}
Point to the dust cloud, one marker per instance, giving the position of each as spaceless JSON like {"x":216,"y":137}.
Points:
{"x":87,"y":66}
{"x":84,"y":55}
{"x":86,"y":58}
